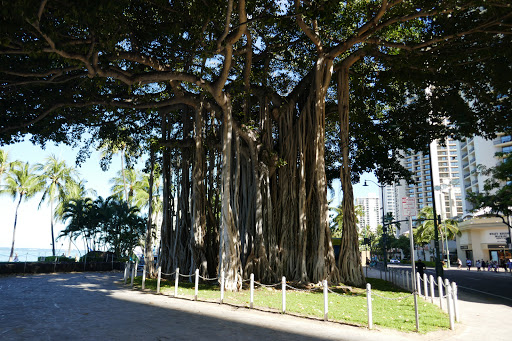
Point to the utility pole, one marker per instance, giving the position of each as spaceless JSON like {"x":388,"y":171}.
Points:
{"x":439,"y":266}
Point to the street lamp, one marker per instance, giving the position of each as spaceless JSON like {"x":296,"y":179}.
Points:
{"x":384,"y":228}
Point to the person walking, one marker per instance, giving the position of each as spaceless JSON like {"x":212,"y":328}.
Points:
{"x":420,"y":267}
{"x":468,"y":264}
{"x":459,"y":263}
{"x":478,"y":265}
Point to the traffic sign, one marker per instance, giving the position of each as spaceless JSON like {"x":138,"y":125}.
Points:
{"x":409,"y":206}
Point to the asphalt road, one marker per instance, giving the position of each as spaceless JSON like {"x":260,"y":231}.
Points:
{"x":486,"y":284}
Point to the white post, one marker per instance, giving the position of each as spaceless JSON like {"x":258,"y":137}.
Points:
{"x":450,"y":308}
{"x":369,"y":305}
{"x":326,"y":301}
{"x":418,"y":283}
{"x":222,"y":286}
{"x":144,"y":277}
{"x":446,"y":285}
{"x":158,"y":279}
{"x":283,"y":290}
{"x":176,"y":282}
{"x":252,"y":291}
{"x":197,"y":285}
{"x":440,"y":286}
{"x":133,"y":273}
{"x":407,"y":279}
{"x":404,"y":277}
{"x":125,"y":272}
{"x":432,"y":294}
{"x":413,"y":275}
{"x":455,"y":302}
{"x":425,"y":285}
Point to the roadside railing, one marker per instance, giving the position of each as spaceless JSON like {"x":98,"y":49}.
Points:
{"x":400,"y":278}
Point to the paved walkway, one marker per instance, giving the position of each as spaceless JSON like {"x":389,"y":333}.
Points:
{"x":94,"y":306}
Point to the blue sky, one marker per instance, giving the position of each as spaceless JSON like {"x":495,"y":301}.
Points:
{"x":33,"y":227}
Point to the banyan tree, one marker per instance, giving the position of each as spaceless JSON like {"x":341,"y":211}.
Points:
{"x":253,"y":107}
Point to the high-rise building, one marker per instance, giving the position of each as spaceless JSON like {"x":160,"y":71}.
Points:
{"x":371,"y":212}
{"x":445,"y":177}
{"x":477,"y":151}
{"x":391,"y":202}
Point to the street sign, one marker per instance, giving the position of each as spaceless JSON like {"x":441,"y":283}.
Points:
{"x":409,"y":206}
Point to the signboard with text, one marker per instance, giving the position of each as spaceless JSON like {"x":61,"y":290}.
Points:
{"x":409,"y":206}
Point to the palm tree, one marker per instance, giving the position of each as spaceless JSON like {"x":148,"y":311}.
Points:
{"x":4,"y":163}
{"x":57,"y":177}
{"x":79,"y":213}
{"x":23,"y":183}
{"x":125,"y":182}
{"x":425,"y":232}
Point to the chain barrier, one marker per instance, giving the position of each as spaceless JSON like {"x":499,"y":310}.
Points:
{"x":334,"y":292}
{"x":208,"y":279}
{"x":390,"y":298}
{"x":267,"y":285}
{"x":187,"y":276}
{"x":297,"y":289}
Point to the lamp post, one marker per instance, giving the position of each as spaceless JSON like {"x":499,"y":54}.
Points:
{"x":384,"y":228}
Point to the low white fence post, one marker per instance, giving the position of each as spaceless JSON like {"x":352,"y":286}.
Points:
{"x":404,"y":277}
{"x":158,"y":279}
{"x":134,"y":271}
{"x":326,"y":301}
{"x":197,"y":285}
{"x":221,"y":286}
{"x":455,"y":301}
{"x":418,"y":283}
{"x":440,"y":287}
{"x":144,"y":277}
{"x":432,"y":293}
{"x":450,"y":305}
{"x":283,"y":290}
{"x":425,"y":285}
{"x":176,"y":282}
{"x":369,"y":305}
{"x":252,"y":291}
{"x":125,"y":272}
{"x":407,"y":279}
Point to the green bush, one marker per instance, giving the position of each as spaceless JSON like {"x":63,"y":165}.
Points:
{"x":59,"y":259}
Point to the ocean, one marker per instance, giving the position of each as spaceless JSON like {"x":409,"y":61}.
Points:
{"x":32,"y":254}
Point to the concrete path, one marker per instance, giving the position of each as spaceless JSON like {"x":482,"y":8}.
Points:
{"x":95,"y":306}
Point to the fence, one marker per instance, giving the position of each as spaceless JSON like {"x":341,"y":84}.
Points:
{"x":400,"y":278}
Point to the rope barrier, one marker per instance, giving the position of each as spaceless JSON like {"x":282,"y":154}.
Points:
{"x":169,"y":274}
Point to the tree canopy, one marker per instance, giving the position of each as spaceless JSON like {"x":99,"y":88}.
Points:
{"x":257,"y":105}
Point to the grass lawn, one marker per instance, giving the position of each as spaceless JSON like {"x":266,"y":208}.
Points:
{"x":396,"y":312}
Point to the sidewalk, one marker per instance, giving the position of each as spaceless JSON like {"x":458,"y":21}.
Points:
{"x":482,"y":318}
{"x":86,"y":306}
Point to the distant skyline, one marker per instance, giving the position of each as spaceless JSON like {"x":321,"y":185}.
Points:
{"x":33,"y":226}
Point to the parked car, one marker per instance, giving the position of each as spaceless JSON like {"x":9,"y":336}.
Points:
{"x":394,"y":261}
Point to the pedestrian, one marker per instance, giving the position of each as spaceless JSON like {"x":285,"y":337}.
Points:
{"x":420,"y":267}
{"x":509,"y":264}
{"x":483,"y":265}
{"x":16,"y":257}
{"x":459,"y":263}
{"x":468,"y":264}
{"x":489,"y":265}
{"x":478,"y":265}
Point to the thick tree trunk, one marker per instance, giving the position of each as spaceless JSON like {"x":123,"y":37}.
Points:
{"x":350,"y":259}
{"x":149,"y":259}
{"x":199,"y":196}
{"x":229,"y":237}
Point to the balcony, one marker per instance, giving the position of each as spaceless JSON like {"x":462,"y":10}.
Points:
{"x":472,"y":160}
{"x":503,"y":139}
{"x":464,"y":165}
{"x":466,"y":175}
{"x":464,"y":155}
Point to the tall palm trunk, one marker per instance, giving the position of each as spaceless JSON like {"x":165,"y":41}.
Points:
{"x":14,"y":229}
{"x":51,"y":225}
{"x":124,"y":175}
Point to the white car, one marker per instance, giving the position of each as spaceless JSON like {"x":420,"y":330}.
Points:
{"x":394,"y":261}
